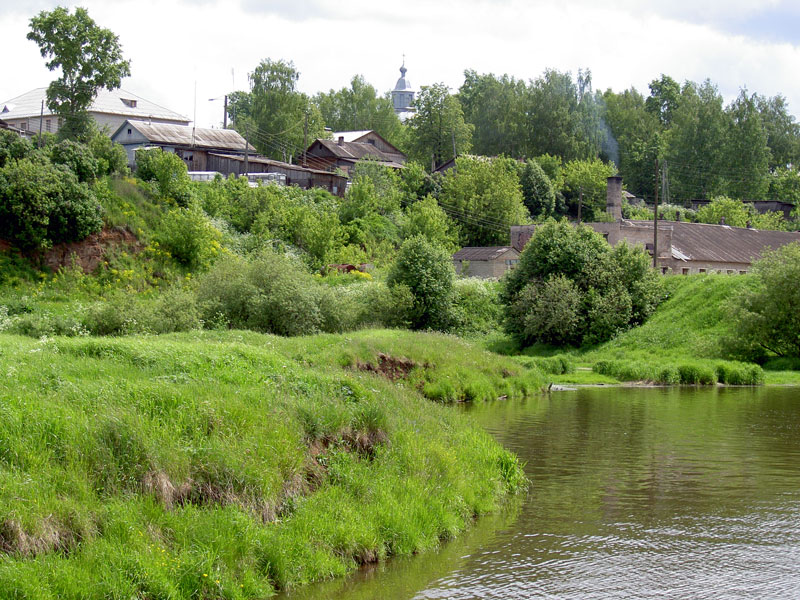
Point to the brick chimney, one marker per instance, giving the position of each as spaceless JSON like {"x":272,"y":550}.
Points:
{"x":614,"y":197}
{"x":341,"y":140}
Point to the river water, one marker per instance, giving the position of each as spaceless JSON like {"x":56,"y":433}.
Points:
{"x":635,"y":493}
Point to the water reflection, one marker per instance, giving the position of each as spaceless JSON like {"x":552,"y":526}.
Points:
{"x":648,"y":493}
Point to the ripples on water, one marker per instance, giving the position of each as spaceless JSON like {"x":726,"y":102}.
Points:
{"x":635,"y":494}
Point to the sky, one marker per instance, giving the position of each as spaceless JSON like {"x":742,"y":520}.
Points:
{"x":185,"y":53}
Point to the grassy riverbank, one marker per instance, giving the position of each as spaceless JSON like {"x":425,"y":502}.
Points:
{"x":684,"y":341}
{"x":230,"y":464}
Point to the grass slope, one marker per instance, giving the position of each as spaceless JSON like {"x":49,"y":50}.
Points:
{"x":231,"y":464}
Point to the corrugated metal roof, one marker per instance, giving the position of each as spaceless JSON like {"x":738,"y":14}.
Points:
{"x":482,"y":252}
{"x":115,"y":102}
{"x":356,"y":151}
{"x":181,"y":135}
{"x":722,"y":243}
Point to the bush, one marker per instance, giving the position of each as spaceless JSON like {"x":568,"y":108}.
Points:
{"x":78,"y":158}
{"x":695,"y":373}
{"x":188,"y":235}
{"x":42,"y":205}
{"x":766,"y":315}
{"x":537,"y":190}
{"x":546,"y":311}
{"x":167,"y":173}
{"x":271,"y":293}
{"x":476,"y":306}
{"x":427,"y":270}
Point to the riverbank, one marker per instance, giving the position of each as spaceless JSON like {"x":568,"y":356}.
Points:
{"x":228,"y":464}
{"x":684,"y":341}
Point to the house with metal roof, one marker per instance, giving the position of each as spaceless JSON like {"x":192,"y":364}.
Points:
{"x":348,"y":147}
{"x":192,"y":144}
{"x":109,"y":110}
{"x":486,"y":262}
{"x":681,"y":248}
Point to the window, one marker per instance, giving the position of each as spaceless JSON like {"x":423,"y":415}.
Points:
{"x":742,"y":272}
{"x":664,"y":270}
{"x":130,"y":131}
{"x":731,"y":271}
{"x":23,"y":125}
{"x":47,"y":124}
{"x":701,"y":270}
{"x":129,"y":102}
{"x":685,"y":271}
{"x":511,"y":263}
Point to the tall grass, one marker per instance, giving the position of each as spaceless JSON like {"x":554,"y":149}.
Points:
{"x":230,"y":464}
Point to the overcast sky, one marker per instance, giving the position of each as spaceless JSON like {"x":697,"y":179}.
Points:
{"x":174,"y":45}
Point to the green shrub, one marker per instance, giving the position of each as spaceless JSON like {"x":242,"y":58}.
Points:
{"x":668,"y":374}
{"x":427,"y":270}
{"x":167,"y":173}
{"x":696,"y":373}
{"x":546,"y":311}
{"x":476,"y":306}
{"x":42,"y":205}
{"x":111,"y":158}
{"x":270,"y":293}
{"x":554,"y":365}
{"x":78,"y":158}
{"x":737,"y":373}
{"x":783,"y":363}
{"x":189,"y":237}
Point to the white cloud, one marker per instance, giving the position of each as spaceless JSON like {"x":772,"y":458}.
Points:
{"x":172,"y":45}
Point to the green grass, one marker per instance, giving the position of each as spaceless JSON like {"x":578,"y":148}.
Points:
{"x":232,"y":464}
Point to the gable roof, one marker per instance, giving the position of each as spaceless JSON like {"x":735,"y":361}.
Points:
{"x":355,"y":151}
{"x":181,"y":135}
{"x":482,"y":252}
{"x":114,"y":102}
{"x":723,"y":243}
{"x":351,"y":136}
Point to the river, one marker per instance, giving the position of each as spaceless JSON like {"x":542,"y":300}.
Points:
{"x":635,"y":493}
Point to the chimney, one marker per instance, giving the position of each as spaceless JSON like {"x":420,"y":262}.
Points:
{"x":341,"y":140}
{"x":614,"y":197}
{"x":749,"y":224}
{"x":722,"y":221}
{"x":678,"y":216}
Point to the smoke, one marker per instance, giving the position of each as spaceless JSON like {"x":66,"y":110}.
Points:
{"x":609,"y":145}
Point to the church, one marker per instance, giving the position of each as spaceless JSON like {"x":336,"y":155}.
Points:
{"x":403,"y":96}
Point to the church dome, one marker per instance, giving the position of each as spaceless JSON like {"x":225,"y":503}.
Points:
{"x":403,"y":84}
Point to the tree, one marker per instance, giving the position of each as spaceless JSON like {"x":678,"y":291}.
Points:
{"x":273,"y":114}
{"x":747,"y":155}
{"x":437,"y":131}
{"x":90,"y":58}
{"x":590,"y":178}
{"x":359,"y":107}
{"x":167,"y":172}
{"x":494,"y":106}
{"x":427,"y":271}
{"x":766,"y":315}
{"x":537,"y":190}
{"x":696,"y":142}
{"x":783,"y":132}
{"x":426,"y":218}
{"x":485,"y":197}
{"x":738,"y":214}
{"x":571,"y":287}
{"x":664,"y":99}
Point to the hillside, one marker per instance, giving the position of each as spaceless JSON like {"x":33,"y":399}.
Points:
{"x":228,"y":464}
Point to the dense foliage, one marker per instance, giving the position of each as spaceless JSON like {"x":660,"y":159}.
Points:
{"x":766,"y":315}
{"x":571,"y":287}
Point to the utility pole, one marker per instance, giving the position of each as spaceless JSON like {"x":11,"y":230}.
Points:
{"x":225,"y":114}
{"x":41,"y":118}
{"x":580,"y":203}
{"x":305,"y":142}
{"x":655,"y":221}
{"x":455,"y":154}
{"x":246,"y":149}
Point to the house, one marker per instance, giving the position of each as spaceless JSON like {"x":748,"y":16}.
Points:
{"x":488,"y":262}
{"x":20,"y":132}
{"x":192,"y":144}
{"x":682,"y":248}
{"x":110,"y":110}
{"x":348,"y":147}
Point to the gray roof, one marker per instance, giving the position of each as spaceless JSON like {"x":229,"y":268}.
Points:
{"x":357,"y":150}
{"x":261,"y":160}
{"x":723,"y":243}
{"x":181,"y":135}
{"x":115,"y":102}
{"x":483,"y":252}
{"x":403,"y":84}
